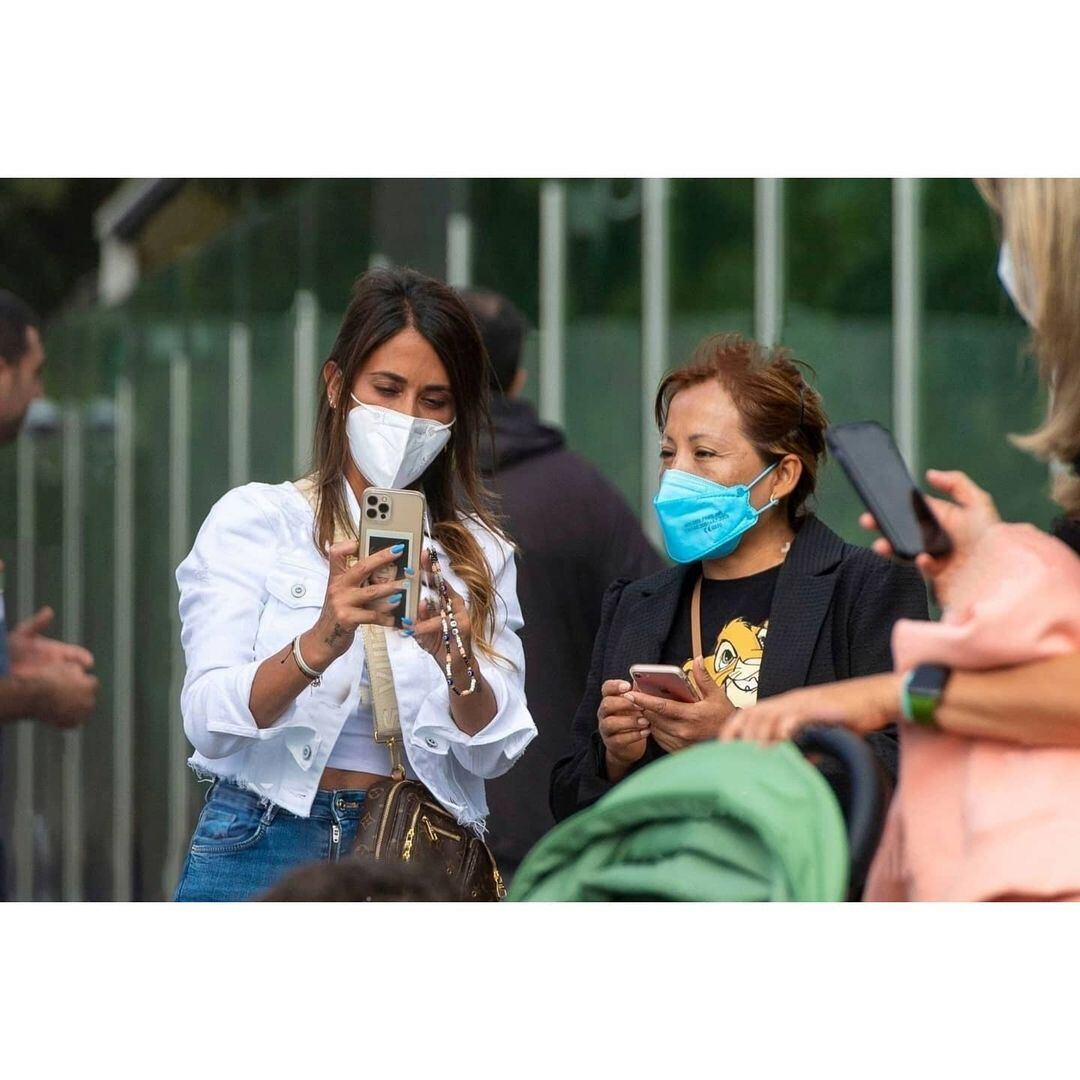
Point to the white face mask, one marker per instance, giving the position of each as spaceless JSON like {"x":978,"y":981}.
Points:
{"x":1019,"y":291}
{"x":392,"y":449}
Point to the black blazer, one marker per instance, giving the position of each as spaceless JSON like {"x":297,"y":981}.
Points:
{"x":831,"y":618}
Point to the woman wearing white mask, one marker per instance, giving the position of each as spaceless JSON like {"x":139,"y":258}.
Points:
{"x":276,"y":699}
{"x":765,"y":597}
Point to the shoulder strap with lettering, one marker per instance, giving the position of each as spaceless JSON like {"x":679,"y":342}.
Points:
{"x":384,"y":707}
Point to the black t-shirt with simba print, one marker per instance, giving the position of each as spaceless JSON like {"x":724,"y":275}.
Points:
{"x":734,"y":629}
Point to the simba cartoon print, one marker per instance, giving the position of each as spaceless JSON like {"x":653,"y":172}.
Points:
{"x":736,"y":660}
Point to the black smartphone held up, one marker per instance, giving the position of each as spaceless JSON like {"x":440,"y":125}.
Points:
{"x":873,"y":464}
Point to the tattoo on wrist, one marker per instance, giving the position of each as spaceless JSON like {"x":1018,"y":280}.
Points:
{"x":335,"y":635}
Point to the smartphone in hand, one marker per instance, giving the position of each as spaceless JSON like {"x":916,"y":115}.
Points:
{"x":389,"y":517}
{"x":870,"y":458}
{"x":665,"y":681}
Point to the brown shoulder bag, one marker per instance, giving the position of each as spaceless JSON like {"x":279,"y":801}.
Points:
{"x":402,"y":819}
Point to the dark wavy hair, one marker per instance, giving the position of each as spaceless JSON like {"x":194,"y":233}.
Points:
{"x":385,"y":302}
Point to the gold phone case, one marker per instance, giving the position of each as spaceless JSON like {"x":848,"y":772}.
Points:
{"x":389,"y":517}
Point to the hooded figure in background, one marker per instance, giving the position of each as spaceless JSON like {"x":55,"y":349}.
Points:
{"x":575,"y":535}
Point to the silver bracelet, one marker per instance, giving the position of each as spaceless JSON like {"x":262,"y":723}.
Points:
{"x":310,"y":672}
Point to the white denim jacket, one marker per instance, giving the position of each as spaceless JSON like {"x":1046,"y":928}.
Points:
{"x":252,"y":582}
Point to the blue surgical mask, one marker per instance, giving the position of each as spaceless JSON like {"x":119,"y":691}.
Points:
{"x":701,"y":519}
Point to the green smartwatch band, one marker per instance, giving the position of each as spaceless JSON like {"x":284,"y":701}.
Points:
{"x":921,"y":692}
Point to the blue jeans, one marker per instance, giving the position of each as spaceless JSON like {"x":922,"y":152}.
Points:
{"x":243,"y":844}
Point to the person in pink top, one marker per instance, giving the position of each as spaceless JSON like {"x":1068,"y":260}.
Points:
{"x":986,"y":805}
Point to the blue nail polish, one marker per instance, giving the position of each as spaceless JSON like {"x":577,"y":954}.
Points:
{"x":407,"y":633}
{"x":406,"y":620}
{"x":409,"y":571}
{"x":397,"y":549}
{"x":395,"y":599}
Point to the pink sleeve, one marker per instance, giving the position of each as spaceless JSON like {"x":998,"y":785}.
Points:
{"x":1016,"y":599}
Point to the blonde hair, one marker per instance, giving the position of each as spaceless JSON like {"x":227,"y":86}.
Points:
{"x":1040,"y":221}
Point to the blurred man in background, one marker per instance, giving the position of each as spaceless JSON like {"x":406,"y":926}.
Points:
{"x":40,"y":678}
{"x":575,"y":535}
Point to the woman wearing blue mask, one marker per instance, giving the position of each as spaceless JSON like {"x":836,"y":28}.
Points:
{"x":764,"y":597}
{"x":277,"y":698}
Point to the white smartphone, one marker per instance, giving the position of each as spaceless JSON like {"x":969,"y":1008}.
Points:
{"x":389,"y":517}
{"x":665,"y":681}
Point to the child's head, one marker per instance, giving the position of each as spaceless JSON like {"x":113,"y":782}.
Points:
{"x":361,"y":879}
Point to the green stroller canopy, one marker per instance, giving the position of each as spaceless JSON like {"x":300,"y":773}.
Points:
{"x":717,"y":821}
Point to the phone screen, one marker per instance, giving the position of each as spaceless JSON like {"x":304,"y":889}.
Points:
{"x":870,"y":458}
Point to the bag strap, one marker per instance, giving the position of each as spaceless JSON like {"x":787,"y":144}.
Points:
{"x":695,"y":618}
{"x":386,"y":719}
{"x":384,"y":707}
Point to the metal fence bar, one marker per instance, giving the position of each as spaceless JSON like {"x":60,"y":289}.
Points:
{"x":655,"y":332}
{"x":552,"y":299}
{"x":73,"y":835}
{"x":907,"y":317}
{"x":768,"y":259}
{"x":305,"y":361}
{"x":179,"y":542}
{"x":124,"y":641}
{"x":239,"y":404}
{"x":23,"y":811}
{"x":459,"y":236}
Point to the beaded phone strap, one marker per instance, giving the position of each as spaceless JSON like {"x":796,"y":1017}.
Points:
{"x":450,"y":626}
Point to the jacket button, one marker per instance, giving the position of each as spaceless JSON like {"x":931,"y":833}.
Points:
{"x":306,"y":753}
{"x":431,"y":742}
{"x":298,"y":590}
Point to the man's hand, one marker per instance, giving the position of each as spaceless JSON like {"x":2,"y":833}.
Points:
{"x":64,"y":693}
{"x":864,"y":704}
{"x":29,"y":651}
{"x":675,"y":725}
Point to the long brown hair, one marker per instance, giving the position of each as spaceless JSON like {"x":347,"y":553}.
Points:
{"x":1040,"y":221}
{"x":780,"y":412}
{"x":385,"y":302}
